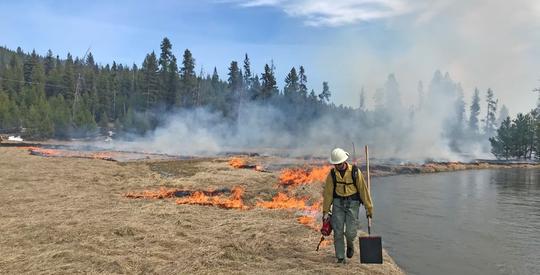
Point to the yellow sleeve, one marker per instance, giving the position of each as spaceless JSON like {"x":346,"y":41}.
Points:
{"x":364,"y":194}
{"x":328,"y":194}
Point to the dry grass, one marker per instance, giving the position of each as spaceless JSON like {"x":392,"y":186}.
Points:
{"x":65,"y":215}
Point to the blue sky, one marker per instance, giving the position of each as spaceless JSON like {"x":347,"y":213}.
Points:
{"x":350,"y":43}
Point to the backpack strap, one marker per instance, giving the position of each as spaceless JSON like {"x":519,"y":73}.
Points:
{"x":354,"y":174}
{"x":333,"y":173}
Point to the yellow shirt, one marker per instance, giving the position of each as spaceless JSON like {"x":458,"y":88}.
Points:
{"x":345,"y":190}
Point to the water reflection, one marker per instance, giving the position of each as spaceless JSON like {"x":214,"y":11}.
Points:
{"x":469,"y":222}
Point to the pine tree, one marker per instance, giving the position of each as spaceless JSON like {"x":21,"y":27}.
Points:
{"x":188,"y":80}
{"x":523,"y":136}
{"x":54,"y":84}
{"x":68,"y":79}
{"x":90,"y":62}
{"x":150,"y":81}
{"x":475,"y":111}
{"x":215,"y":79}
{"x":38,"y":75}
{"x":490,"y":121}
{"x":302,"y":82}
{"x":268,"y":85}
{"x":362,"y":105}
{"x":235,"y":82}
{"x":29,"y":65}
{"x":248,"y":78}
{"x":168,"y":73}
{"x":49,"y":63}
{"x":115,"y":85}
{"x":324,"y":96}
{"x":502,"y":145}
{"x":292,"y":88}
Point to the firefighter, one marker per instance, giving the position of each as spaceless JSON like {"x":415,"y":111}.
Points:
{"x":345,"y":195}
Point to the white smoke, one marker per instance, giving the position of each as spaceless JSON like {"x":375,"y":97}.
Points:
{"x":392,"y":130}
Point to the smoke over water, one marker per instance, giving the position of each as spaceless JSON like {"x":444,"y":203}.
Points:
{"x":435,"y":129}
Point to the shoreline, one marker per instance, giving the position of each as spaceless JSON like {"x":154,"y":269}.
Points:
{"x":438,"y":167}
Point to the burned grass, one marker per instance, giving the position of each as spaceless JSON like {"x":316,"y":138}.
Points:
{"x":184,"y":168}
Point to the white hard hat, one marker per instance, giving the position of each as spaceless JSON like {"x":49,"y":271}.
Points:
{"x":338,"y":156}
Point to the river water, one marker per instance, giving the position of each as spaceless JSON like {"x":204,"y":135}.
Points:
{"x":467,"y":222}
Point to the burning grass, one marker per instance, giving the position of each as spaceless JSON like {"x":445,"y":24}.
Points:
{"x":237,"y":162}
{"x":167,"y":193}
{"x":283,"y":201}
{"x":208,"y":198}
{"x":44,"y":152}
{"x":233,"y":202}
{"x":300,"y":176}
{"x":241,"y":163}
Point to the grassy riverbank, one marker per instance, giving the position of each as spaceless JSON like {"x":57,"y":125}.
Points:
{"x":70,"y":215}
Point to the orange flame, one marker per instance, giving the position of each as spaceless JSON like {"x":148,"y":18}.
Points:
{"x":282,"y":201}
{"x":242,"y":163}
{"x":237,"y":162}
{"x":298,"y":176}
{"x":45,"y":152}
{"x":199,"y":198}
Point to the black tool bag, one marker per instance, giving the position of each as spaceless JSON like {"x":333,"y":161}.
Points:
{"x":371,"y":249}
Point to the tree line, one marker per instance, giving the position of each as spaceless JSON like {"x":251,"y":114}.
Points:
{"x":46,"y":96}
{"x":49,"y":97}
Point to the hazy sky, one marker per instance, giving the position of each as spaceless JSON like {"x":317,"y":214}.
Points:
{"x":350,"y":43}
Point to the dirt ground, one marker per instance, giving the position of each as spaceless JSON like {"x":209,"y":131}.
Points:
{"x":70,"y":215}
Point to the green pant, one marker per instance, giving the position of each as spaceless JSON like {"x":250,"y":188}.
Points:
{"x":344,"y":220}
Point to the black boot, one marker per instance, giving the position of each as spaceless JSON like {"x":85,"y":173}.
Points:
{"x":340,"y":261}
{"x":350,"y":251}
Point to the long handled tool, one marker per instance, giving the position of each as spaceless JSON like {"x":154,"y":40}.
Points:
{"x":354,"y":154}
{"x":367,"y":170}
{"x":320,"y":242}
{"x":370,"y":246}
